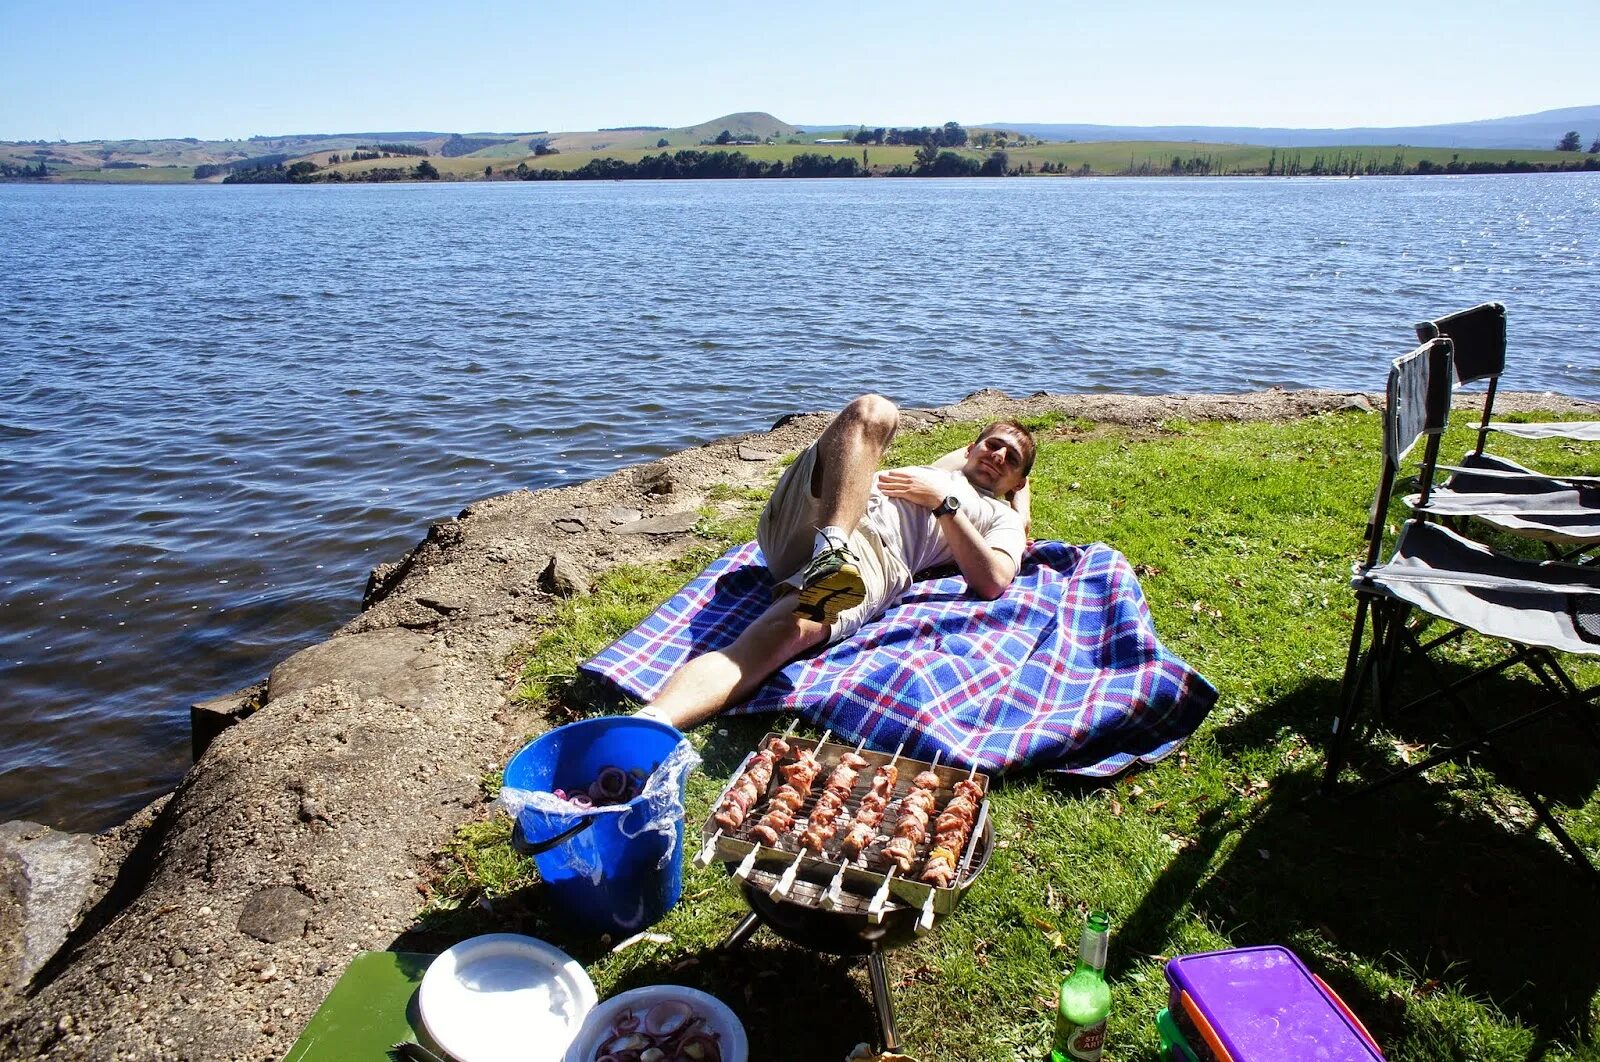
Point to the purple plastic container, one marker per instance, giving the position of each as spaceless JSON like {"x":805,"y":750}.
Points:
{"x":1262,"y":1005}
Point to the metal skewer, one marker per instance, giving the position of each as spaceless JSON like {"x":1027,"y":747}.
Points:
{"x":875,"y":910}
{"x":972,"y":843}
{"x":925,"y":922}
{"x":749,"y":864}
{"x":708,"y":850}
{"x":835,"y":892}
{"x":896,"y":755}
{"x":786,"y":883}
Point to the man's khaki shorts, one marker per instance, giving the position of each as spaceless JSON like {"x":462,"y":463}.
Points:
{"x":787,"y":537}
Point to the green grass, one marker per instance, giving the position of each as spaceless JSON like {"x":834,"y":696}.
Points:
{"x":1119,"y":157}
{"x":1100,"y":158}
{"x":152,"y":175}
{"x":1445,"y":921}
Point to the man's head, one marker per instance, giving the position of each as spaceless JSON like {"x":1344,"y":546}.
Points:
{"x":1000,"y":459}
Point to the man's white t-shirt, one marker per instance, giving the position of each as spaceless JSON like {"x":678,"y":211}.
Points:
{"x":911,"y":533}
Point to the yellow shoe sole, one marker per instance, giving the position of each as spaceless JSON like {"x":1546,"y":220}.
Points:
{"x":832,"y":594}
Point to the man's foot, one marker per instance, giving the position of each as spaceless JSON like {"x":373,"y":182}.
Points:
{"x":832,"y":584}
{"x":650,"y":711}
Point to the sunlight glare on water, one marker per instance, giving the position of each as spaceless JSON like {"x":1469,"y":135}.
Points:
{"x":223,"y":405}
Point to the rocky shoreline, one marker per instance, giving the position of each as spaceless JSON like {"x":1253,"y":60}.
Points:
{"x":212,"y":924}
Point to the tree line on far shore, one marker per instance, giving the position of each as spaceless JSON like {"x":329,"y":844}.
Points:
{"x":1573,"y":142}
{"x":689,"y":164}
{"x":307,"y":172}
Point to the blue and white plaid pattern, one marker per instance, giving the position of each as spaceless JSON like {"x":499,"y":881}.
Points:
{"x":1064,"y":671}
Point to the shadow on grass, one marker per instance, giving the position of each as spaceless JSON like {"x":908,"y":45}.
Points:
{"x":795,"y":1004}
{"x":1432,"y":882}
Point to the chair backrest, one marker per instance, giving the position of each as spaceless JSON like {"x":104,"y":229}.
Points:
{"x":1418,"y":406}
{"x":1479,"y":336}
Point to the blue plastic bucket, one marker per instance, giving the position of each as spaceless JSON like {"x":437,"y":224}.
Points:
{"x":607,"y":869}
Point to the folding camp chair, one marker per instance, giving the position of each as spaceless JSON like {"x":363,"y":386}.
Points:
{"x":1561,"y":511}
{"x":1434,"y":574}
{"x":1478,"y":336}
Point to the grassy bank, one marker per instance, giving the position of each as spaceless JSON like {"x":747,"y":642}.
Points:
{"x":1093,"y":159}
{"x":1432,"y":907}
{"x":1124,"y":157}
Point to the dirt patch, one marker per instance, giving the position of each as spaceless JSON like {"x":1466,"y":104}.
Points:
{"x":229,"y":909}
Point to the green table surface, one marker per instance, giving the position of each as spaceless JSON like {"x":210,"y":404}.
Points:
{"x":373,"y":1006}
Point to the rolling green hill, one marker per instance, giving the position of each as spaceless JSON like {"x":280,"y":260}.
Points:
{"x":464,"y":156}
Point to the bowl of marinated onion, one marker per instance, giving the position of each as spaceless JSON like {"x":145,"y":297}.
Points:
{"x":661,"y":1023}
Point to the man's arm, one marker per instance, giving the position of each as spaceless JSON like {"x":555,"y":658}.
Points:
{"x":988,"y":571}
{"x":1022,"y":501}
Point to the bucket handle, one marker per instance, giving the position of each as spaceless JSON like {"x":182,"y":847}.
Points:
{"x":520,"y":842}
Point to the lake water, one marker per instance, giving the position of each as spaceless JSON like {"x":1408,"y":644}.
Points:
{"x":221,"y":406}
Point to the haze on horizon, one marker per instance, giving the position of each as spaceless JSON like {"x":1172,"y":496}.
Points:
{"x":172,"y":68}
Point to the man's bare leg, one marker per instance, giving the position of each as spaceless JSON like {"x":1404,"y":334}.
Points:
{"x":847,"y":458}
{"x":715,"y":680}
{"x":848,"y":454}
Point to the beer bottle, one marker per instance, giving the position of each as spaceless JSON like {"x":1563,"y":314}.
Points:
{"x":1085,"y":998}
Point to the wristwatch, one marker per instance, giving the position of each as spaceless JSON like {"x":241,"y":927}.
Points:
{"x":945,"y":508}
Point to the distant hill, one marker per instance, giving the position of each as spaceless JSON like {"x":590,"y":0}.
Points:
{"x":744,"y":125}
{"x":464,"y":155}
{"x":1536,"y":131}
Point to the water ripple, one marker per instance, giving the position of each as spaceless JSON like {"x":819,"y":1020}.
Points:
{"x":223,"y":406}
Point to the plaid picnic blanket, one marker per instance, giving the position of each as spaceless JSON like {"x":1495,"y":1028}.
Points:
{"x":1064,"y":671}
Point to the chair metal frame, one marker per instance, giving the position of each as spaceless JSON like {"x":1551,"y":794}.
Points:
{"x":1424,"y":378}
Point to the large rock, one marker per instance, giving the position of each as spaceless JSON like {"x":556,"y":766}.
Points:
{"x":564,"y":577}
{"x":393,"y":664}
{"x":275,"y":914}
{"x":671,"y":524}
{"x":46,"y":881}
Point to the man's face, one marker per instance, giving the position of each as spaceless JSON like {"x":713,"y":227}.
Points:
{"x":994,"y":463}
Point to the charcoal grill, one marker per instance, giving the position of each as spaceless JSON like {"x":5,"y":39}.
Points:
{"x":840,"y":907}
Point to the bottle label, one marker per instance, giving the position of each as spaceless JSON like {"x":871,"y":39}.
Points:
{"x":1087,"y":1041}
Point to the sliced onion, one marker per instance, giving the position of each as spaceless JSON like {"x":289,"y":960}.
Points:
{"x":581,"y":800}
{"x":625,"y":1024}
{"x":630,"y":1042}
{"x":610,"y":786}
{"x":667,"y":1017}
{"x":701,"y":1047}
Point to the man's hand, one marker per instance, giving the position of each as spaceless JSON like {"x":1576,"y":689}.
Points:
{"x":919,"y":486}
{"x":988,"y":571}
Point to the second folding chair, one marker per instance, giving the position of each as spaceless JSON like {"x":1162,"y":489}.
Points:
{"x":1561,"y":511}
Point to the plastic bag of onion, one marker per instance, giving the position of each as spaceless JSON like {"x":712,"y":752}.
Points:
{"x":616,"y":867}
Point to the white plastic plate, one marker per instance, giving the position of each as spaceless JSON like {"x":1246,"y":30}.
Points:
{"x":718,"y":1019}
{"x":502,"y":996}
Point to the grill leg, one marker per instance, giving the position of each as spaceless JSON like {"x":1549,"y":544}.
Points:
{"x":882,"y":1001}
{"x":741,"y":933}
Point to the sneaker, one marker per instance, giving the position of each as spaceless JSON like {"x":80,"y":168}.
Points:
{"x":832,"y":583}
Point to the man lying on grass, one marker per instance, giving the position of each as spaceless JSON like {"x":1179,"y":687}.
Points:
{"x":843,"y":540}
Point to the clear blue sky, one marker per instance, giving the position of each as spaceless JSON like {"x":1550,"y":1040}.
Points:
{"x":104,"y":69}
